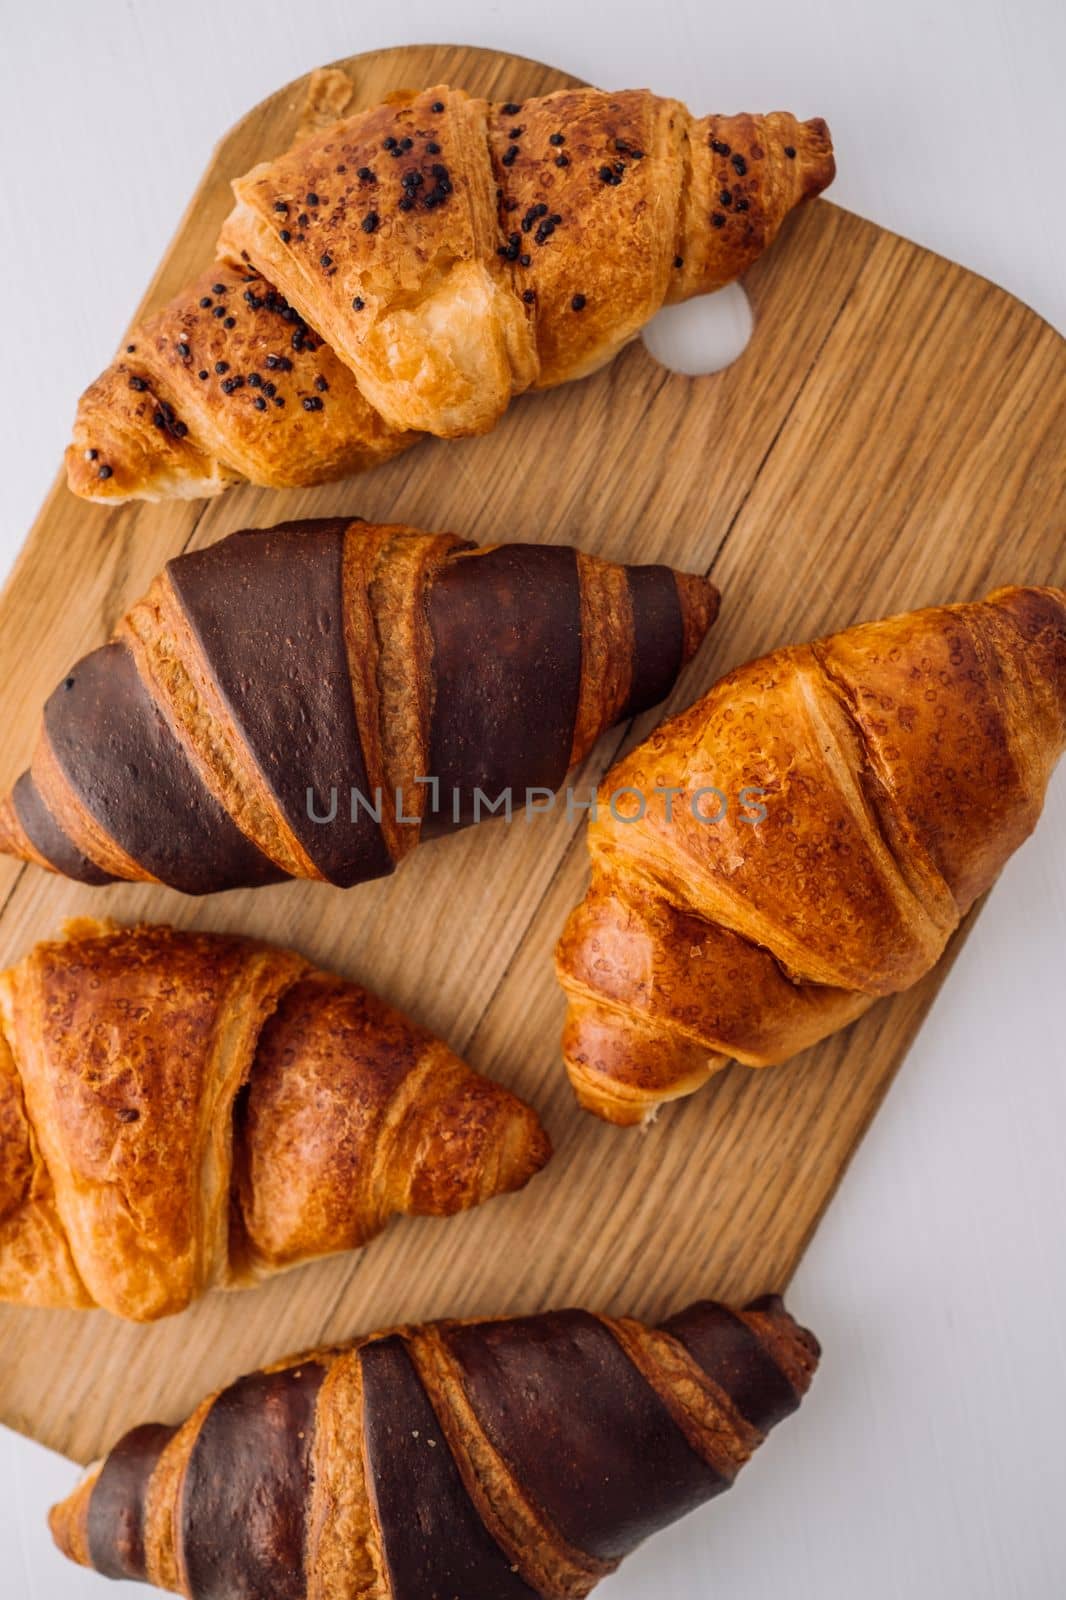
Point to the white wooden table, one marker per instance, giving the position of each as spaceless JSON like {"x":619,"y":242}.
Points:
{"x":928,"y":1461}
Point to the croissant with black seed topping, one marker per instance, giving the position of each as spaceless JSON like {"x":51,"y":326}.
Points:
{"x":187,"y":1111}
{"x":894,"y":770}
{"x":484,"y":1460}
{"x":311,"y":700}
{"x":412,"y":268}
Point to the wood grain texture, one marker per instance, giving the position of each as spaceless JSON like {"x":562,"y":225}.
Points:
{"x":894,"y":435}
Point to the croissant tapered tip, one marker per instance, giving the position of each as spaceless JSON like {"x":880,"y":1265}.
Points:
{"x":815,"y":163}
{"x":68,"y":1521}
{"x":700,"y":602}
{"x":493,"y":1141}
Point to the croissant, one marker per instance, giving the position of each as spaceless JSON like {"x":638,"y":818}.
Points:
{"x":451,"y":254}
{"x":309,"y":700}
{"x":813,"y":830}
{"x":505,"y":1459}
{"x":187,"y":1111}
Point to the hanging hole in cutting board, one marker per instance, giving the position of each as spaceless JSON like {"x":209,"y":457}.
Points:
{"x":703,"y":335}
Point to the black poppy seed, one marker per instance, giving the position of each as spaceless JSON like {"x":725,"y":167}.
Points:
{"x":260,"y":403}
{"x":407,"y":202}
{"x":366,"y":174}
{"x":396,"y":154}
{"x":229,"y":322}
{"x":511,"y":109}
{"x":205,"y":302}
{"x":101,"y":472}
{"x":270,"y":389}
{"x":370,"y":222}
{"x":218,"y":288}
{"x":726,"y":197}
{"x":637,"y":155}
{"x":130,"y":348}
{"x":297,"y":340}
{"x":68,"y":683}
{"x":311,"y":199}
{"x":544,"y":231}
{"x":406,"y":144}
{"x":389,"y":143}
{"x":439,"y":170}
{"x":221,"y":366}
{"x":219,"y":311}
{"x":303,"y":219}
{"x":138,"y":384}
{"x":524,"y":260}
{"x":438,"y":106}
{"x":432,"y":147}
{"x":181,"y":429}
{"x":159,"y":420}
{"x":278,"y":399}
{"x":717,"y":219}
{"x":325,"y":260}
{"x":412,"y":179}
{"x":281,"y":205}
{"x":311,"y":402}
{"x":254,"y":381}
{"x":227,"y":386}
{"x":284,"y":235}
{"x":556,"y":138}
{"x":91,"y":455}
{"x":516,"y":133}
{"x":341,"y":168}
{"x":562,"y":161}
{"x":622,"y":147}
{"x":358,"y":303}
{"x":182,"y":349}
{"x":321,"y":385}
{"x":556,"y":218}
{"x":719,"y":147}
{"x":609,"y":176}
{"x":509,"y":155}
{"x":790,"y":151}
{"x":740,"y":166}
{"x":529,"y":295}
{"x":578,"y":303}
{"x":202,"y":374}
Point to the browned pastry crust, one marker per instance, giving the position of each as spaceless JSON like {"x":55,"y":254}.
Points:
{"x":453,"y":254}
{"x":136,"y":1174}
{"x":516,"y":1458}
{"x":227,"y":384}
{"x":901,"y":763}
{"x":333,"y":656}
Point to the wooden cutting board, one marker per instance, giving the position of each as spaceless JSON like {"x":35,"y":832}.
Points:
{"x":894,"y":435}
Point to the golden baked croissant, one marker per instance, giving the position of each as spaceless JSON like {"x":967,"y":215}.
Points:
{"x":308,"y":700}
{"x":856,"y":795}
{"x":509,"y":1459}
{"x":453,"y":254}
{"x":186,"y":1111}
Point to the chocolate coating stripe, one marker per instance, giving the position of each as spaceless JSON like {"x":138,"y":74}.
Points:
{"x":581,"y":1428}
{"x":45,"y":834}
{"x":244,"y":1501}
{"x":120,"y":757}
{"x":117,"y":1503}
{"x":658,"y":636}
{"x":267,"y":610}
{"x":732,"y":1357}
{"x":435,"y":1543}
{"x":506,"y":629}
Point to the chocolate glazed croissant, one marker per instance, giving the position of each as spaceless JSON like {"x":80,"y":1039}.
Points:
{"x":504,"y":1459}
{"x":310,"y":700}
{"x":188,"y":1111}
{"x":451,"y":254}
{"x":896,"y":766}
